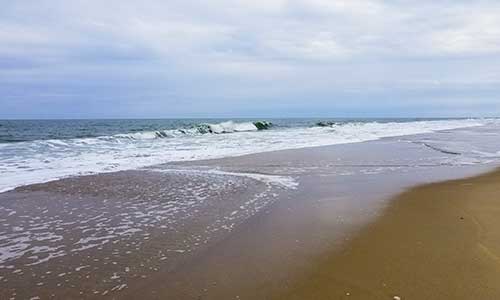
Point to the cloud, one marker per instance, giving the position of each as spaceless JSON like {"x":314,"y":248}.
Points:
{"x":225,"y":52}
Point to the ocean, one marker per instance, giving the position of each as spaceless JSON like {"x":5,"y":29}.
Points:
{"x":35,"y":151}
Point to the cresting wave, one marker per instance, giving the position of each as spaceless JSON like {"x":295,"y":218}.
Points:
{"x":205,"y":128}
{"x":37,"y":161}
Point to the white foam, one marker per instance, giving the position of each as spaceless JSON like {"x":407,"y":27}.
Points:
{"x":41,"y":161}
{"x":228,"y":127}
{"x":274,"y":180}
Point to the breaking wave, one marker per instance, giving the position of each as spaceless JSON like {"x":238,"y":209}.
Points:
{"x":199,"y":129}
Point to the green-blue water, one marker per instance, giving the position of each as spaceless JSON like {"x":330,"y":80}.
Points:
{"x":31,"y":130}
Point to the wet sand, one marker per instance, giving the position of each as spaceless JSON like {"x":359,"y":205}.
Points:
{"x":94,"y":236}
{"x":437,"y":241}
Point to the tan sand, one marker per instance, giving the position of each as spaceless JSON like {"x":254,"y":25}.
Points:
{"x":437,"y":241}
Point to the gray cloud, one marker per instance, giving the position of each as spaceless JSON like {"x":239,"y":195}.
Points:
{"x":230,"y":56}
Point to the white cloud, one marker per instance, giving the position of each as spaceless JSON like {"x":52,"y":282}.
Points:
{"x":318,"y":29}
{"x":476,"y":32}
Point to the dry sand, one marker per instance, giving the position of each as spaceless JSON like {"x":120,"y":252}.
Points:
{"x":437,"y":241}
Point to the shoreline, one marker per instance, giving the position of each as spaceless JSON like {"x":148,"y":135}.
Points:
{"x":433,"y":241}
{"x":61,"y":173}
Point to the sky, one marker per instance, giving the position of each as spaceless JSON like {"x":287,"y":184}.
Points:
{"x":252,"y":58}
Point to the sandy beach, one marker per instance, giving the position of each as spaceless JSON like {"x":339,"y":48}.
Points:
{"x":437,"y":241}
{"x":293,"y":223}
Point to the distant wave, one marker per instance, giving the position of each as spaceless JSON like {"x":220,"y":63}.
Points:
{"x":327,"y":123}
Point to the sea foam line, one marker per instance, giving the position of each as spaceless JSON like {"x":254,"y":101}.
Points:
{"x":286,"y":182}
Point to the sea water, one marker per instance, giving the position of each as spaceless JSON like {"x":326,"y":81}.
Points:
{"x":35,"y":151}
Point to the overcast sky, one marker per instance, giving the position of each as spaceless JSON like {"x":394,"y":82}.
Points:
{"x":255,"y":58}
